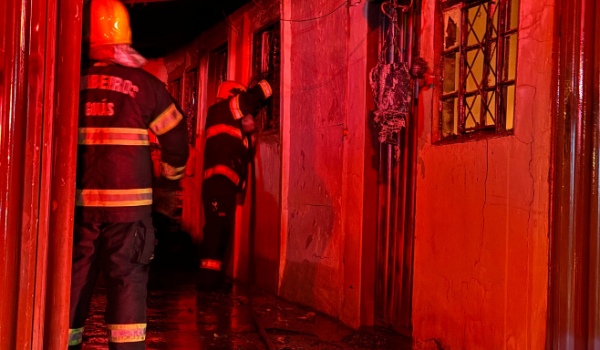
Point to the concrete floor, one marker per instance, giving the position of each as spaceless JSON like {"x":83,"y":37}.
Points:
{"x":179,"y":317}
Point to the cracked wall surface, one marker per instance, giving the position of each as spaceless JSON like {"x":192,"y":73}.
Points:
{"x":481,"y":238}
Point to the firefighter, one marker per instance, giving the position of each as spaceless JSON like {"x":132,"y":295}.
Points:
{"x":229,"y":122}
{"x":113,"y":232}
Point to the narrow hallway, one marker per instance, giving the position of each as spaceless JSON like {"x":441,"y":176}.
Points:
{"x":179,"y":317}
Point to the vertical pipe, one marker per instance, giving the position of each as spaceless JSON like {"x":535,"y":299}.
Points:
{"x":63,"y":177}
{"x":395,"y":276}
{"x":410,"y":37}
{"x":388,"y":151}
{"x":574,"y":166}
{"x":501,"y":117}
{"x":387,"y":229}
{"x":401,"y":35}
{"x":401,"y":182}
{"x":411,"y":175}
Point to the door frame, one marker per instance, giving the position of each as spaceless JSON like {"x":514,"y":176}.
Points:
{"x":574,"y":269}
{"x":40,"y":59}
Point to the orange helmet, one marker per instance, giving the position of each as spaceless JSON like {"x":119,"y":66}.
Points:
{"x":108,"y":23}
{"x":225,"y":89}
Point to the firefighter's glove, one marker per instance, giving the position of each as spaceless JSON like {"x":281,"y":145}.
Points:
{"x":167,"y":197}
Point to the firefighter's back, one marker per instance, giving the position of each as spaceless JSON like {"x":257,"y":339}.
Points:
{"x":114,"y":175}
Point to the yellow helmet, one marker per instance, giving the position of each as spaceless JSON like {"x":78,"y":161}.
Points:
{"x":224,"y":92}
{"x":107,"y":24}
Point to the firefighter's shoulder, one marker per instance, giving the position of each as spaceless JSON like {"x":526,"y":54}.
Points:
{"x":219,"y":108}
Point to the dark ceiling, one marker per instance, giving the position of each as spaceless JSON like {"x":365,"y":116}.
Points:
{"x":161,"y":27}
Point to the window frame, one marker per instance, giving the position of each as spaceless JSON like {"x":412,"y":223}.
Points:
{"x":262,"y":118}
{"x":218,"y":71}
{"x":460,"y":95}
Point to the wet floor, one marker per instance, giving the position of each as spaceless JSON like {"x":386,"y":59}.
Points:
{"x":179,"y":317}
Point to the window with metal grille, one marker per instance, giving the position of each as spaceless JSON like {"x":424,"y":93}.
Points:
{"x":479,"y":67}
{"x":266,"y":59}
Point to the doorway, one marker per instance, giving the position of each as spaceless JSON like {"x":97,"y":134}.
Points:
{"x":265,"y":181}
{"x":217,"y":72}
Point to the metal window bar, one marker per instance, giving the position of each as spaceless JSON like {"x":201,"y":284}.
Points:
{"x":482,"y":48}
{"x":455,"y":95}
{"x":487,"y":67}
{"x":464,"y":35}
{"x":500,"y":62}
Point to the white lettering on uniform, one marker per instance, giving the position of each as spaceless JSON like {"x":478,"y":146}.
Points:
{"x":99,"y":109}
{"x":108,"y":82}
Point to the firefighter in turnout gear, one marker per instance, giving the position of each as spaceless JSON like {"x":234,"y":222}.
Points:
{"x":113,"y":232}
{"x":228,"y":125}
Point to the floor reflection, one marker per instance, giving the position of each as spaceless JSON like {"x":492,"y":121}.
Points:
{"x":179,"y":317}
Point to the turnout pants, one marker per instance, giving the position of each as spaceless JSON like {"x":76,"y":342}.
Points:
{"x":219,"y":215}
{"x":123,"y":252}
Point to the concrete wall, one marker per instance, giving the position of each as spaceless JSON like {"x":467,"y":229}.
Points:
{"x":481,"y":239}
{"x":312,"y":274}
{"x":324,"y":159}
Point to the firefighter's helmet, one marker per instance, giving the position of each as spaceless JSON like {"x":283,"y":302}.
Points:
{"x":107,"y":24}
{"x":226,"y":89}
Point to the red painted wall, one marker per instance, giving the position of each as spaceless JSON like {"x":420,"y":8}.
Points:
{"x":481,"y":238}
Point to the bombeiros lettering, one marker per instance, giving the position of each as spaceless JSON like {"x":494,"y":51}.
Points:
{"x":108,"y":82}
